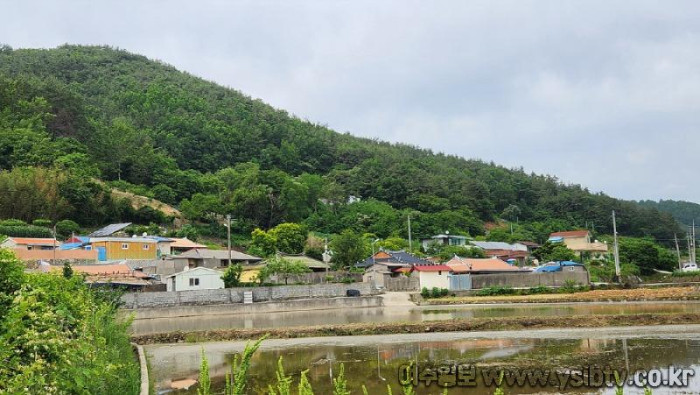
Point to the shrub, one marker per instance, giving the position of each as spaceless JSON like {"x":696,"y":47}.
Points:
{"x":540,"y":289}
{"x":495,"y":291}
{"x":12,"y":222}
{"x":42,"y":222}
{"x":232,"y":276}
{"x":25,"y":231}
{"x":67,"y":227}
{"x":435,"y":292}
{"x":425,"y":293}
{"x":444,"y":291}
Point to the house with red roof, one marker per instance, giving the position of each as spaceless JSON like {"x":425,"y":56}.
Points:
{"x":432,"y":276}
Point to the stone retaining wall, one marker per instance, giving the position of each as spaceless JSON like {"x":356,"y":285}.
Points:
{"x":235,"y":295}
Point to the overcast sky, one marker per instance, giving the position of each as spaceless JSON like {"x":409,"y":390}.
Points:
{"x":600,"y":93}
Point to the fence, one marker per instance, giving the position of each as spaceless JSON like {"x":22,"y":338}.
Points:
{"x":401,"y":283}
{"x":528,"y":280}
{"x":460,"y":282}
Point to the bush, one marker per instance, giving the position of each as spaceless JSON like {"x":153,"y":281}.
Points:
{"x":59,"y":336}
{"x":444,"y":291}
{"x":25,"y":231}
{"x":435,"y":292}
{"x":46,"y":223}
{"x":540,"y":289}
{"x":425,"y":293}
{"x":12,"y":222}
{"x":495,"y":291}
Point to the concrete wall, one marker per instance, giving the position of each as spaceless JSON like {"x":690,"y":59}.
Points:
{"x":255,"y":308}
{"x":235,"y":295}
{"x":401,"y":283}
{"x":526,"y":280}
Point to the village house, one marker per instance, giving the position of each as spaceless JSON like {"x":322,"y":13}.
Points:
{"x":212,"y":258}
{"x":30,"y":243}
{"x":445,"y":240}
{"x":196,"y":279}
{"x":481,"y":266}
{"x":120,"y":248}
{"x":393,"y":259}
{"x":580,"y":242}
{"x":313,"y":264}
{"x":432,"y":276}
{"x":180,"y":245}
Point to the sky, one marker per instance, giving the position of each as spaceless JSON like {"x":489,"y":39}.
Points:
{"x":605,"y":94}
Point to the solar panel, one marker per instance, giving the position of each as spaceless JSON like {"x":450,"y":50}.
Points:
{"x":109,"y":230}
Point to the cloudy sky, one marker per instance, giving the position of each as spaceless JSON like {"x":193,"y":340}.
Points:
{"x":600,"y":93}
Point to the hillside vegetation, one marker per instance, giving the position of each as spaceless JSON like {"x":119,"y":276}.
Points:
{"x":683,"y":212}
{"x":71,"y":114}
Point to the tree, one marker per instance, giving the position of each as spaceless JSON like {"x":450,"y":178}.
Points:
{"x":289,"y":238}
{"x":67,"y":270}
{"x":646,"y":255}
{"x":263,"y":243}
{"x":284,"y":268}
{"x":232,"y":276}
{"x":554,"y":252}
{"x":348,"y":248}
{"x":66,"y":227}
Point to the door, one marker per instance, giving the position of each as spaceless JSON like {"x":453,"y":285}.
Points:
{"x":101,"y":254}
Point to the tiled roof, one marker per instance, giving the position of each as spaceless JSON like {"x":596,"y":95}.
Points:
{"x":197,"y":253}
{"x":398,"y":257}
{"x":493,"y":245}
{"x":185,"y":243}
{"x":432,"y":268}
{"x":570,"y":233}
{"x":35,"y":241}
{"x":466,"y":265}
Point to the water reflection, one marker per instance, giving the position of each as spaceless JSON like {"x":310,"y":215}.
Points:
{"x":377,"y":365}
{"x":397,"y":314}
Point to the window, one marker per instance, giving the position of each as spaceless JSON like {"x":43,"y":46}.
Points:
{"x":439,"y":272}
{"x":125,"y":246}
{"x":146,"y":246}
{"x":29,"y":248}
{"x":88,"y":248}
{"x":194,"y":282}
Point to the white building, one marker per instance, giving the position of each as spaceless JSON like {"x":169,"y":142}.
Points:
{"x":195,"y":279}
{"x":432,"y":276}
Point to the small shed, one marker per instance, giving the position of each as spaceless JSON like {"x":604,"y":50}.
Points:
{"x":195,"y":279}
{"x":432,"y":276}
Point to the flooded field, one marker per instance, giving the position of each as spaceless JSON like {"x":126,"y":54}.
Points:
{"x":376,"y":360}
{"x":402,"y":314}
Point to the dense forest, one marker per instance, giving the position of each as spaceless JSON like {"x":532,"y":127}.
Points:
{"x":683,"y":212}
{"x":73,"y":115}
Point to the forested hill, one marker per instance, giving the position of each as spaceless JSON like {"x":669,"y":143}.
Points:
{"x":95,"y":112}
{"x":684,"y":212}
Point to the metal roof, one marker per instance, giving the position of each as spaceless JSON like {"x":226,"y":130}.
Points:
{"x":109,"y":230}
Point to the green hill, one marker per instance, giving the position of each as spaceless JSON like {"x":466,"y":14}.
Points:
{"x":72,"y":113}
{"x":683,"y":212}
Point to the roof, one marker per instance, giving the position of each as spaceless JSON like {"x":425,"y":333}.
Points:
{"x":109,"y":230}
{"x":529,"y":243}
{"x":397,"y":257}
{"x":310,"y":262}
{"x":123,"y":239}
{"x":70,"y":246}
{"x":444,"y":236}
{"x":570,"y":233}
{"x":185,"y":243}
{"x":493,"y":245}
{"x":196,"y":269}
{"x":507,"y":253}
{"x":119,"y":269}
{"x":468,"y":265}
{"x":160,"y":239}
{"x":35,"y":241}
{"x":199,"y":253}
{"x":432,"y":268}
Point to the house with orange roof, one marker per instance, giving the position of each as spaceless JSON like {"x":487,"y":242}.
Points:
{"x":180,"y":245}
{"x":30,"y":243}
{"x":481,"y":266}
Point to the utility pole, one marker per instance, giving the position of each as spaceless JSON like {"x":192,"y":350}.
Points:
{"x":616,"y":249}
{"x":228,"y":231}
{"x":54,"y":244}
{"x":693,"y":244}
{"x":678,"y":251}
{"x":410,"y":240}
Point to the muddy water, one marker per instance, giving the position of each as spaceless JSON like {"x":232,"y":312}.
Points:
{"x":400,"y":314}
{"x":375,"y":360}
